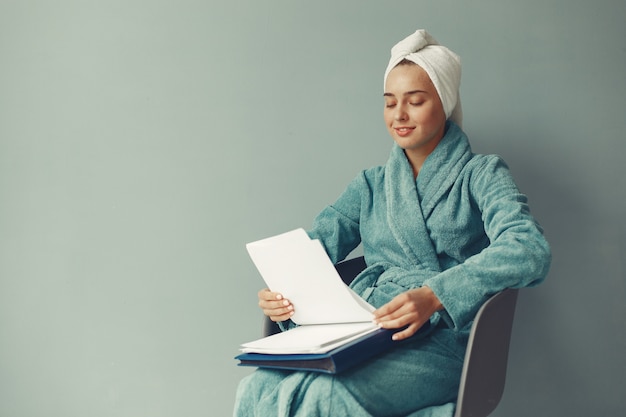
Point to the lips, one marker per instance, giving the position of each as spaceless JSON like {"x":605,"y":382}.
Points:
{"x":403,"y":130}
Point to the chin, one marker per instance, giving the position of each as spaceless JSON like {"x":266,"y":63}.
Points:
{"x":406,"y":143}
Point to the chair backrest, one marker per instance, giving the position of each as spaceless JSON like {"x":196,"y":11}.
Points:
{"x":486,"y":357}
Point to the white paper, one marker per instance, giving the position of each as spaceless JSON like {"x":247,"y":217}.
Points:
{"x":299,"y":268}
{"x":309,"y":339}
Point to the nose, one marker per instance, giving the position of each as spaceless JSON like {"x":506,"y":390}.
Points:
{"x":400,"y":113}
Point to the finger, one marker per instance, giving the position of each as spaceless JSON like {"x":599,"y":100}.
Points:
{"x":282,"y":317}
{"x":394,"y":315}
{"x":275,"y":304}
{"x":391,"y":314}
{"x":399,"y":302}
{"x":277,"y":308}
{"x":406,"y":333}
{"x":266,"y":294}
{"x":395,"y":323}
{"x":386,"y":309}
{"x":269,"y":299}
{"x":280,"y":314}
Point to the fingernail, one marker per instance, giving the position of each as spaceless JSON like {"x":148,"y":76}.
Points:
{"x":285,"y":303}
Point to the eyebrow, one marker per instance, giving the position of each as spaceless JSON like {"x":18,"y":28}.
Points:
{"x":408,"y":93}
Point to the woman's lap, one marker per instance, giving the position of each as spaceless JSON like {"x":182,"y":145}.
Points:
{"x":415,"y":375}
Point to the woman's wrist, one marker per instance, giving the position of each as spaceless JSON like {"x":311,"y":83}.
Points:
{"x":434,"y":300}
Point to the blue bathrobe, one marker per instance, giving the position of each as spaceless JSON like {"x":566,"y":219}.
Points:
{"x":461,"y":228}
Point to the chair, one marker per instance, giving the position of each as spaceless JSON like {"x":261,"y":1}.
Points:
{"x":486,"y":357}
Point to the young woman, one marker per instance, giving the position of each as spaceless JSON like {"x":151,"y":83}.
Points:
{"x":442,"y":229}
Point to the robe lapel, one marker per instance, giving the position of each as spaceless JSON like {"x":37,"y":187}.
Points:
{"x":442,"y":168}
{"x":404,"y":214}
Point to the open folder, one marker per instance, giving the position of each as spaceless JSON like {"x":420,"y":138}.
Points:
{"x":335,"y":328}
{"x":344,"y":356}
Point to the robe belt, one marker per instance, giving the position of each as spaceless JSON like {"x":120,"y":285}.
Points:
{"x":382,"y":274}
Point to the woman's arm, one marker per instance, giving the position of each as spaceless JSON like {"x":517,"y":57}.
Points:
{"x":337,"y":226}
{"x":518,"y":254}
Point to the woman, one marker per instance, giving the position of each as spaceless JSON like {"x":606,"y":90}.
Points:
{"x":442,"y":229}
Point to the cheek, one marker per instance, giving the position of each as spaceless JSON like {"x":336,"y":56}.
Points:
{"x":428,"y":116}
{"x":387,"y":117}
{"x":419,"y":116}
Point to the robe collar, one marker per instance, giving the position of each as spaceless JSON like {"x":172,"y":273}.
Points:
{"x":442,"y":167}
{"x":410,"y":201}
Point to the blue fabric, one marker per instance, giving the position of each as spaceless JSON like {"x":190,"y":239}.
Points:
{"x":463,"y":229}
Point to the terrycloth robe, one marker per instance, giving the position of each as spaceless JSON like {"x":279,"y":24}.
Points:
{"x":461,"y":228}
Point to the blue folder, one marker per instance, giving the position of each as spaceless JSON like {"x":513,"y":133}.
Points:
{"x":332,"y":362}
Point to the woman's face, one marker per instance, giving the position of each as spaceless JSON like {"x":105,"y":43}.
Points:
{"x":413,"y":111}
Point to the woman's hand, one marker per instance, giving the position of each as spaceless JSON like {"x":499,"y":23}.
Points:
{"x":274,"y":305}
{"x":412,"y":308}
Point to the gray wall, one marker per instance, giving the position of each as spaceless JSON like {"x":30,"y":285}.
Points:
{"x":143,"y":143}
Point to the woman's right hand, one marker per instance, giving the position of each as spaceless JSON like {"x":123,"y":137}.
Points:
{"x":274,"y":305}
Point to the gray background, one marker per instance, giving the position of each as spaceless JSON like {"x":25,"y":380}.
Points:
{"x":144,"y":142}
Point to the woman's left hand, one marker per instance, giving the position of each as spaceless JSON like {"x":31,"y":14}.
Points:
{"x":413,"y":308}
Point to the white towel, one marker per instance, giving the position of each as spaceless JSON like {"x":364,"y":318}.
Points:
{"x":441,"y":64}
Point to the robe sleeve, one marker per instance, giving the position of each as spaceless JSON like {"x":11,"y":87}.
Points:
{"x":337,"y":226}
{"x":517,"y":256}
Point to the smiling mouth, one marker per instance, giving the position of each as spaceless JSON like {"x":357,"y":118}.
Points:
{"x":403,"y":131}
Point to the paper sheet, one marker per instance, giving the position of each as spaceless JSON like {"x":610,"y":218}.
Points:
{"x":299,"y":268}
{"x":320,"y":338}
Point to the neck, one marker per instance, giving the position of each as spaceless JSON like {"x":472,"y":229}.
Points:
{"x":415,"y":162}
{"x":417,"y":157}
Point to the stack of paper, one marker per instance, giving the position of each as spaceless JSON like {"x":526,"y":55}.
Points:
{"x":299,"y":268}
{"x":320,"y":338}
{"x":329,"y":313}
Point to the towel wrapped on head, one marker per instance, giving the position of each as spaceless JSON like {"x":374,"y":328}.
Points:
{"x":441,"y":64}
